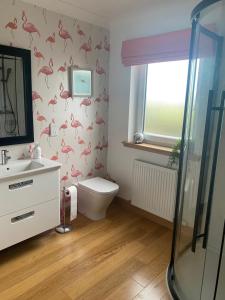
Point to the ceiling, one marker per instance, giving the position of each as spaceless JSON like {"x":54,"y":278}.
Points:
{"x":99,"y":12}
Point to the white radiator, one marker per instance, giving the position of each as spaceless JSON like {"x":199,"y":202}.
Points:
{"x":154,"y":189}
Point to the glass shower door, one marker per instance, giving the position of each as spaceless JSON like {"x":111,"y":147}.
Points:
{"x":197,"y":163}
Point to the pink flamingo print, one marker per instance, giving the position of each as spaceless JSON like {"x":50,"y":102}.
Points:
{"x":64,"y":34}
{"x":99,"y":146}
{"x":106,"y":44}
{"x":80,"y":32}
{"x":47,"y":71}
{"x":98,"y":46}
{"x":38,"y":55}
{"x":47,"y":131}
{"x":55,"y":157}
{"x":66,"y":149}
{"x":98,"y":99}
{"x":86,"y":47}
{"x":65,"y":95}
{"x":75,"y":124}
{"x":98,"y":165}
{"x":90,"y":173}
{"x":64,"y":126}
{"x":62,"y":68}
{"x":12,"y":25}
{"x":90,"y":127}
{"x":99,"y":120}
{"x":29,"y":27}
{"x":51,"y":40}
{"x":75,"y":173}
{"x":86,"y":152}
{"x":53,"y":102}
{"x":41,"y":118}
{"x":86,"y":102}
{"x":65,"y":178}
{"x":81,"y":141}
{"x":36,"y":96}
{"x":99,"y":70}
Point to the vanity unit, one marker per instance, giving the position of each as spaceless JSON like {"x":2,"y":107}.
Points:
{"x":29,"y":199}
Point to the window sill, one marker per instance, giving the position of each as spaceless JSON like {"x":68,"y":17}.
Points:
{"x":149,"y":148}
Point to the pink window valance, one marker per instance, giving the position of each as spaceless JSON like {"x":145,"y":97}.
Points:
{"x":164,"y":47}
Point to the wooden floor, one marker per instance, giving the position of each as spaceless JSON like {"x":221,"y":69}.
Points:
{"x":122,"y":257}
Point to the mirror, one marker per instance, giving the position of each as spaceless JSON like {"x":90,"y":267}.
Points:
{"x":16,"y":117}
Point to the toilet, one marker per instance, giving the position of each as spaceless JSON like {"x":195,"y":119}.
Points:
{"x":95,"y":196}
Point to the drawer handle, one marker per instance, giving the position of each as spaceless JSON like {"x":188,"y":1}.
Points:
{"x":22,"y":217}
{"x":19,"y":185}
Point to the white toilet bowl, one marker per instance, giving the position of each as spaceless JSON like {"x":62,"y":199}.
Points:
{"x":95,"y":196}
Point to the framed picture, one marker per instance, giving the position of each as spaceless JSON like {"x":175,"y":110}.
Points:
{"x":81,"y":82}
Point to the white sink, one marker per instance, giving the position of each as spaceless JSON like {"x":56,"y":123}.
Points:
{"x":26,"y":167}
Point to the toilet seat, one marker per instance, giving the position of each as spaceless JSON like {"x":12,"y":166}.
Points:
{"x":99,"y":185}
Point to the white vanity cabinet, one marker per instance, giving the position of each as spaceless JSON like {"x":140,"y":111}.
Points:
{"x":29,"y":200}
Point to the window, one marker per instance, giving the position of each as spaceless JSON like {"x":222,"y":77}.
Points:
{"x":161,"y":105}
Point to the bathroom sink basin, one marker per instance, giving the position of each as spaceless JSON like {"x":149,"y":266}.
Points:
{"x":25,"y":167}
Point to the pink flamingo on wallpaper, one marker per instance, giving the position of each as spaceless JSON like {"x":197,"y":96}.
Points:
{"x":41,"y":118}
{"x":86,"y":47}
{"x":99,"y":120}
{"x":80,"y":32}
{"x":99,"y":146}
{"x":105,"y":96}
{"x":75,"y":173}
{"x":47,"y":71}
{"x":51,"y":40}
{"x":64,"y":34}
{"x":55,"y":157}
{"x":38,"y":55}
{"x":90,"y":127}
{"x":65,"y":95}
{"x":12,"y":25}
{"x":75,"y":124}
{"x":98,"y":99}
{"x":99,"y":70}
{"x":104,"y":143}
{"x":36,"y":96}
{"x":72,"y":63}
{"x":65,"y":178}
{"x":53,"y":102}
{"x":90,"y":173}
{"x":98,"y":46}
{"x":47,"y":131}
{"x":98,"y":165}
{"x":86,"y":152}
{"x":62,"y":68}
{"x":64,"y":126}
{"x":106,"y":44}
{"x":66,"y":149}
{"x":29,"y":27}
{"x":86,"y":102}
{"x":81,"y":141}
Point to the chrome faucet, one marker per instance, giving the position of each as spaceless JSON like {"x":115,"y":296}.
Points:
{"x":5,"y":157}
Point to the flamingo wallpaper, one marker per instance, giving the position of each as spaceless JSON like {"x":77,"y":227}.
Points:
{"x":58,"y":42}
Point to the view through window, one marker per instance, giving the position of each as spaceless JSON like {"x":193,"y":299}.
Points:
{"x":165,"y":98}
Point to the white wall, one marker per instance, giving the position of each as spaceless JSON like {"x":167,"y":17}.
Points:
{"x":158,"y":18}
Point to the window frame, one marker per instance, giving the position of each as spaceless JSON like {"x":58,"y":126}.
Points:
{"x":150,"y":138}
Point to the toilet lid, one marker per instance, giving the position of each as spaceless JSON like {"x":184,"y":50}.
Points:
{"x":99,"y":185}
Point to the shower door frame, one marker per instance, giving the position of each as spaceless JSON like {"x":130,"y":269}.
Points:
{"x":194,"y":17}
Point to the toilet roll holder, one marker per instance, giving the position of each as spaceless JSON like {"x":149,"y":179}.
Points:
{"x":66,"y":210}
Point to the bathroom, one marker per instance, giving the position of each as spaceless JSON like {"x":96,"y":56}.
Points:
{"x":104,"y":193}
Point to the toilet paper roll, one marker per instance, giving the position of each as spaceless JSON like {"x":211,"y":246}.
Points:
{"x":71,"y":193}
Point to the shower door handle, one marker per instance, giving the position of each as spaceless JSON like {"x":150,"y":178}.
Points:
{"x":203,"y":168}
{"x":219,"y":109}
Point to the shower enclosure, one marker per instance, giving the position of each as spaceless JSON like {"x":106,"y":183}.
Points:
{"x":197,"y":267}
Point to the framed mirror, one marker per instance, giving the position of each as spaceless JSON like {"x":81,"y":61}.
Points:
{"x":16,"y":117}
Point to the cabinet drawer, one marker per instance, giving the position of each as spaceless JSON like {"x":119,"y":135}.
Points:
{"x":29,"y":222}
{"x":25,"y":192}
